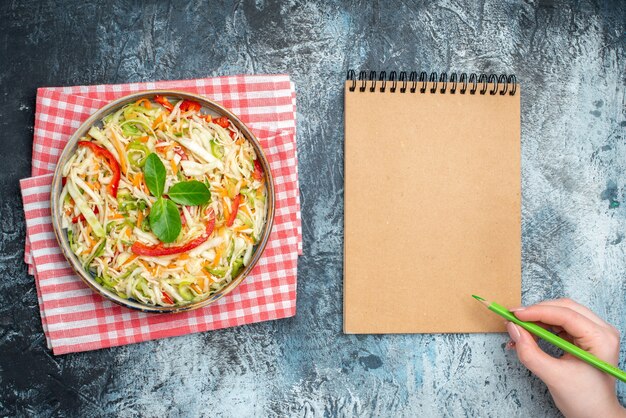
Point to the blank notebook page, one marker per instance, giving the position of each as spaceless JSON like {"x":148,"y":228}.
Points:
{"x":432,"y":210}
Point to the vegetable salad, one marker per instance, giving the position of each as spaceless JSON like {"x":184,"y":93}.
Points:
{"x":163,"y":204}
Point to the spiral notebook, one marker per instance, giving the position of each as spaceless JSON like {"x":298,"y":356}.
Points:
{"x":432,"y":201}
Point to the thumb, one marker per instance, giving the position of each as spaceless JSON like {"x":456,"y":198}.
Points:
{"x":531,"y":356}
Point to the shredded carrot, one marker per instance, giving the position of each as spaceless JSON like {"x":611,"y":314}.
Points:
{"x":241,"y":228}
{"x":218,"y":256}
{"x":144,"y":186}
{"x":240,"y":141}
{"x":91,"y":240}
{"x":92,"y":244}
{"x":195,"y":288}
{"x":150,"y":270}
{"x":205,"y":282}
{"x":128,"y":232}
{"x":116,"y":216}
{"x":172,"y":266}
{"x":206,"y":265}
{"x":157,"y":121}
{"x":147,"y":104}
{"x":120,"y":150}
{"x":139,"y":183}
{"x":246,"y":210}
{"x":208,"y":278}
{"x":183,"y":256}
{"x":174,"y":167}
{"x":164,"y":149}
{"x":144,"y":139}
{"x":225,"y":208}
{"x":139,"y":218}
{"x":247,"y":238}
{"x":130,"y":259}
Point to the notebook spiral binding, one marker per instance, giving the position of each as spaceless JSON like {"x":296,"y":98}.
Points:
{"x":501,"y":83}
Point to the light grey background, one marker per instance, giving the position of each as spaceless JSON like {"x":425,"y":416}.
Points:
{"x":569,"y":58}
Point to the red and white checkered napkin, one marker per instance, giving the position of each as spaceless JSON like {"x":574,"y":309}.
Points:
{"x":75,"y":318}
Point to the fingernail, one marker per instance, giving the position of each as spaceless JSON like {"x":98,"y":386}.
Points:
{"x":519,"y":308}
{"x":513,"y":331}
{"x":509,"y":346}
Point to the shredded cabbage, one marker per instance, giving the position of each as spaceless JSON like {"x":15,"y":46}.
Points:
{"x":196,"y":149}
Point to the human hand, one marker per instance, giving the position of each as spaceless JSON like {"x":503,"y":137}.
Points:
{"x":578,"y":389}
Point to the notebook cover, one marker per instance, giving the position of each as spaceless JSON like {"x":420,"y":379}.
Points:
{"x":432,"y":210}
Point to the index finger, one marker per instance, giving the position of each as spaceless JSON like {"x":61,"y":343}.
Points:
{"x":575,"y":306}
{"x":574,"y":323}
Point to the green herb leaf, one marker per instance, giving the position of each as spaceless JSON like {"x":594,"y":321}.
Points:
{"x":165,"y":220}
{"x":190,"y":193}
{"x":154,"y":174}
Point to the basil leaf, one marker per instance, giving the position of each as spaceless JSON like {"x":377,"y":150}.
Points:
{"x":165,"y":220}
{"x":190,"y":193}
{"x":154,"y":174}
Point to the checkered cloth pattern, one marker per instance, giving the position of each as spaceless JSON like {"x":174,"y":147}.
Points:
{"x":77,"y":319}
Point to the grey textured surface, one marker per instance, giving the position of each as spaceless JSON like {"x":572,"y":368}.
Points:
{"x":569,"y":57}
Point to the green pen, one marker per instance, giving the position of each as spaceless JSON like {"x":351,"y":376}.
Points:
{"x":555,"y":340}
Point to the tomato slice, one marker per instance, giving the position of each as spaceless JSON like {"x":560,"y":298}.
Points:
{"x":258,"y":170}
{"x":187,"y":105}
{"x":164,"y":102}
{"x":167,"y":298}
{"x":181,"y":152}
{"x":81,"y":217}
{"x":222,"y":121}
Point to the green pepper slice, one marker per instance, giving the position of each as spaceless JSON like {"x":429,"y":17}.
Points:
{"x":137,"y":154}
{"x":217,"y":150}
